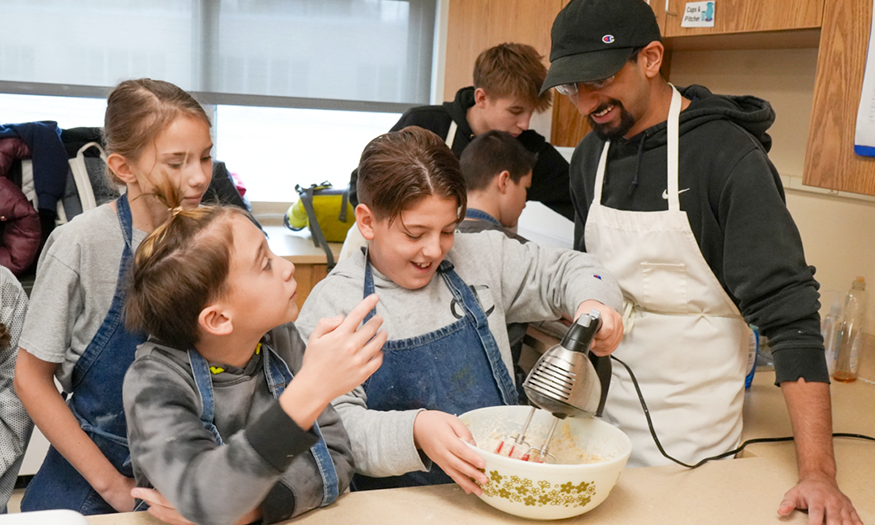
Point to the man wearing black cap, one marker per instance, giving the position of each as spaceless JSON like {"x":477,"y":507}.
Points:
{"x":675,"y":193}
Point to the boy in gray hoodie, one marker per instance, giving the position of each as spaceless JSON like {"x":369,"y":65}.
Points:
{"x":446,"y":300}
{"x":217,"y":423}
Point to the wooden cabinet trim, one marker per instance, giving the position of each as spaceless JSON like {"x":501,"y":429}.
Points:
{"x":740,"y":16}
{"x":830,"y":161}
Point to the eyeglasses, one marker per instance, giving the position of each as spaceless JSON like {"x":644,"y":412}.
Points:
{"x":570,"y":90}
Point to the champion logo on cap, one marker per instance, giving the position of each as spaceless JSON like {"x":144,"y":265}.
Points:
{"x":608,"y":39}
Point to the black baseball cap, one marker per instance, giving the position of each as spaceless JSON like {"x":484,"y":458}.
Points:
{"x":593,"y":39}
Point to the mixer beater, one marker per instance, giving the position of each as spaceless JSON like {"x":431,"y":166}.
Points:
{"x":563,"y":382}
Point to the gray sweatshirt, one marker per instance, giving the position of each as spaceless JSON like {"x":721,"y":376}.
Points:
{"x":265,"y":460}
{"x":513,"y":282}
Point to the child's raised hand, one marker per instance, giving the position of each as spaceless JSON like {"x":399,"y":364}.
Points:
{"x":611,"y":333}
{"x":345,"y":354}
{"x":438,"y":435}
{"x":339,"y":357}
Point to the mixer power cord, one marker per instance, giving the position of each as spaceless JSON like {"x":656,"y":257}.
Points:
{"x":719,"y":456}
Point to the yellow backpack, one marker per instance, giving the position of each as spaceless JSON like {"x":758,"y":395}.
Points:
{"x":327,"y":211}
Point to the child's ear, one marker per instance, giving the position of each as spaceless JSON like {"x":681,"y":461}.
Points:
{"x":503,"y":180}
{"x":365,"y":219}
{"x":215,"y":321}
{"x":121,"y":167}
{"x":480,"y":97}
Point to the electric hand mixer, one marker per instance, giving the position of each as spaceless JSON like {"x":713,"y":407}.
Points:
{"x":563,"y":382}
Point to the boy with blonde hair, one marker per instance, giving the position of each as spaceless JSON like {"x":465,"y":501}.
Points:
{"x":505,"y":94}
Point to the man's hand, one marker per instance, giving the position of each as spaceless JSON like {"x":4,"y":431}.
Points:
{"x":610,"y":334}
{"x":438,"y":435}
{"x":823,"y":500}
{"x":817,"y":491}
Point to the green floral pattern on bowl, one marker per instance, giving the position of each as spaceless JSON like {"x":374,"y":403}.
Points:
{"x":539,"y":493}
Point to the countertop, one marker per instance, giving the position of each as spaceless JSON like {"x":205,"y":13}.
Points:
{"x":298,"y":246}
{"x":746,"y":490}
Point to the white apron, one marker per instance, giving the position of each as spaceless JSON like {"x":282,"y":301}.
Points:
{"x":686,"y":341}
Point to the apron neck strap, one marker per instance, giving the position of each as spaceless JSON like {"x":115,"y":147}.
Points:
{"x":451,"y":134}
{"x":600,"y":174}
{"x":200,"y":371}
{"x":673,"y":122}
{"x":674,"y":113}
{"x":474,"y":213}
{"x":125,"y":220}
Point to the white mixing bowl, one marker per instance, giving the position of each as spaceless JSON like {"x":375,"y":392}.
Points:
{"x":541,"y":490}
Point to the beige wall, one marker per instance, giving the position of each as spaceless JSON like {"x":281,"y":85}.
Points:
{"x":838,"y":238}
{"x":838,"y":233}
{"x":784,"y":77}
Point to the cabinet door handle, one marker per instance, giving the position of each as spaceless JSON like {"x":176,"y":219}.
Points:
{"x":667,"y":11}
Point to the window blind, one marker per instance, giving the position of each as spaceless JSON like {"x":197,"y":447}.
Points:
{"x":376,"y":51}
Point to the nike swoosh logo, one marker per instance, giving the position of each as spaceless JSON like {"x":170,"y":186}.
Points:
{"x":665,"y":193}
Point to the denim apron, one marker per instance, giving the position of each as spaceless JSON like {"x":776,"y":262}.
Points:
{"x":278,"y":375}
{"x":454,"y":369}
{"x":516,"y":332}
{"x":96,"y":402}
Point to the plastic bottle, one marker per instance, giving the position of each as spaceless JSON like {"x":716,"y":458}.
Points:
{"x":752,"y":356}
{"x":829,"y":328}
{"x":851,"y":332}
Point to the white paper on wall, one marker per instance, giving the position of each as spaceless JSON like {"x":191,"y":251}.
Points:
{"x":864,"y":137}
{"x":698,"y":14}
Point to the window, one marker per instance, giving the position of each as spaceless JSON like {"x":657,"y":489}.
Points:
{"x":298,"y":87}
{"x":98,"y":43}
{"x":68,"y":112}
{"x":374,"y":50}
{"x":272,"y":149}
{"x":364,"y":50}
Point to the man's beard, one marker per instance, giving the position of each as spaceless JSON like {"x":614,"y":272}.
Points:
{"x":606,"y":131}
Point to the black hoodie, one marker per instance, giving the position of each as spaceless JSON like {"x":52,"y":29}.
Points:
{"x":735,"y":203}
{"x":549,"y":176}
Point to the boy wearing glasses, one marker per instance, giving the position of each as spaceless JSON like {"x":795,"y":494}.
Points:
{"x":675,"y":194}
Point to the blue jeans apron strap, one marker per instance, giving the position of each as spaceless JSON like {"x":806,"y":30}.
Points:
{"x":454,"y":369}
{"x":500,"y":373}
{"x":97,"y":402}
{"x":200,"y":370}
{"x":474,"y":213}
{"x":278,"y":376}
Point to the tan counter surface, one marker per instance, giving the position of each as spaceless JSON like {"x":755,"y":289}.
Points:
{"x":297,"y":246}
{"x":730,"y":492}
